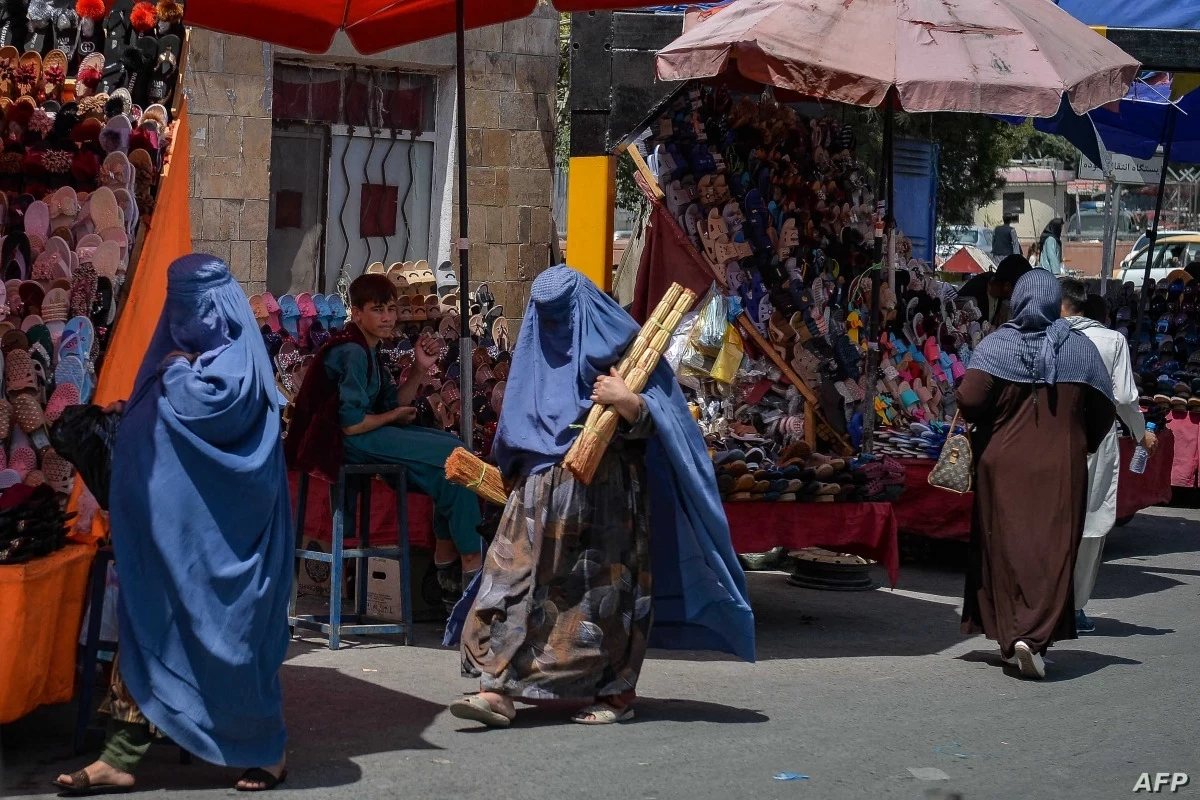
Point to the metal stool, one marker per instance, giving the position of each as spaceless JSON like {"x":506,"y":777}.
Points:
{"x":353,"y":488}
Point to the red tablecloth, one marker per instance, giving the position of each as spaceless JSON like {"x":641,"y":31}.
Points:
{"x":318,"y":522}
{"x":939,"y":514}
{"x":864,"y":529}
{"x":1185,"y":427}
{"x":931,"y":512}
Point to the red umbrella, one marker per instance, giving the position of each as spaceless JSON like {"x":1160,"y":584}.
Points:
{"x":374,"y":26}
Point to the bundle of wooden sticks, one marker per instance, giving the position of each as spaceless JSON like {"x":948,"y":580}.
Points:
{"x":639,"y":361}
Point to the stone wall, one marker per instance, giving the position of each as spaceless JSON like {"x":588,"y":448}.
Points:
{"x":511,"y":76}
{"x":512,"y":71}
{"x":228,"y":86}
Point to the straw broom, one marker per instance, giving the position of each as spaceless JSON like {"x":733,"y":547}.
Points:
{"x":639,"y":361}
{"x":482,"y":478}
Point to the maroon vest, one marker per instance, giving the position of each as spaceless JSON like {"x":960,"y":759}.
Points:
{"x":315,"y":443}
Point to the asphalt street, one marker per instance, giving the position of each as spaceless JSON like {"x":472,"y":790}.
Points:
{"x":869,"y":695}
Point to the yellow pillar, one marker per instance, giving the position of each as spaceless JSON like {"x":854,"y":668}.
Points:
{"x":591,"y":203}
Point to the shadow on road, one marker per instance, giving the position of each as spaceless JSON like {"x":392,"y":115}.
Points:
{"x":1061,"y":665}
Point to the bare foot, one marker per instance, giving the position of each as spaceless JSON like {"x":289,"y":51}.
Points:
{"x":249,"y":784}
{"x":472,"y":563}
{"x":99,"y":774}
{"x":500,"y":704}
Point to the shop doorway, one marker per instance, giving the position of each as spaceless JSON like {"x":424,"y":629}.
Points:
{"x":295,"y":233}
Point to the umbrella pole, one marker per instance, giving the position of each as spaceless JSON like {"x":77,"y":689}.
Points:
{"x":1168,"y":139}
{"x":465,"y":346}
{"x":875,"y":326}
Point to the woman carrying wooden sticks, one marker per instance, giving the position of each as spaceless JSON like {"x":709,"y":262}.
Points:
{"x":575,"y":585}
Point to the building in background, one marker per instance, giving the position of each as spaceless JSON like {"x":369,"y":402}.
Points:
{"x":302,"y":164}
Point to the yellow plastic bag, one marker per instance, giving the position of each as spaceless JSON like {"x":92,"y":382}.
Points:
{"x":729,"y":360}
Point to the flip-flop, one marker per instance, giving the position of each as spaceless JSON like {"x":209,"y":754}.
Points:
{"x":308,"y":313}
{"x":602,"y":714}
{"x":324,"y":313}
{"x":477,"y":709}
{"x":162,"y":80}
{"x":71,"y":370}
{"x":447,"y":280}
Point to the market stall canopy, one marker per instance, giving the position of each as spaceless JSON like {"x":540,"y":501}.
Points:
{"x":979,"y":56}
{"x":372,"y":25}
{"x":1164,"y":14}
{"x":969,"y":260}
{"x":1136,"y":127}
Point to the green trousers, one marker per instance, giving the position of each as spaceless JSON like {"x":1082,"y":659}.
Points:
{"x":125,"y":744}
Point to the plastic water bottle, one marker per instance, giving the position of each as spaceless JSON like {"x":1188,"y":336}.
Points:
{"x":1137,"y":464}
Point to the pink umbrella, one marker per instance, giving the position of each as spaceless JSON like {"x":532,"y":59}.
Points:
{"x":1013,"y":57}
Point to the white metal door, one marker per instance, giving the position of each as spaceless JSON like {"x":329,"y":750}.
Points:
{"x":379,"y":201}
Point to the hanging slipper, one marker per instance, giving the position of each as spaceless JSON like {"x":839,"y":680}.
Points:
{"x":60,"y":475}
{"x":308,"y":314}
{"x":139,"y":61}
{"x":337,"y":307}
{"x":29,"y":74}
{"x":104,"y":211}
{"x":40,"y":15}
{"x":144,"y":178}
{"x":91,"y":69}
{"x":289,"y":315}
{"x":447,"y":280}
{"x":116,"y":174}
{"x":71,"y":371}
{"x":37,"y":226}
{"x":119,"y":34}
{"x":115,"y":136}
{"x":54,"y":75}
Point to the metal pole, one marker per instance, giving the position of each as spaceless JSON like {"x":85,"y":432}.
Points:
{"x":882,"y":254}
{"x":1110,"y":234}
{"x":1168,"y":139}
{"x":465,"y":347}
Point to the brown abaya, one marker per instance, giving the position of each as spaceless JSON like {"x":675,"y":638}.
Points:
{"x":1031,"y":476}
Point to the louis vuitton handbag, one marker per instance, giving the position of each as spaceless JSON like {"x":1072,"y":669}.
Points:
{"x":953,"y":469}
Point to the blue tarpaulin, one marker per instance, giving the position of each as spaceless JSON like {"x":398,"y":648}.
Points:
{"x":1135,"y":13}
{"x":1136,"y":129}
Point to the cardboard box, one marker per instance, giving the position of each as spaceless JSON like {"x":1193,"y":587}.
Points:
{"x":314,"y":575}
{"x":383,"y":589}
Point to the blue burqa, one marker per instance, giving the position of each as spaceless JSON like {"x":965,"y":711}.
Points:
{"x":572,"y":334}
{"x":202,"y":531}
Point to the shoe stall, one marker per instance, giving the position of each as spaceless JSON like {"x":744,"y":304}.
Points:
{"x":93,"y":206}
{"x":766,"y":213}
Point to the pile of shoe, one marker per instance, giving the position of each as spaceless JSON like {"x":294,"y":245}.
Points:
{"x":800,"y":475}
{"x":32,"y":524}
{"x":294,"y":328}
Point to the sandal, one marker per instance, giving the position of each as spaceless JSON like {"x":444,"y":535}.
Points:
{"x":81,"y":786}
{"x":602,"y":714}
{"x":478,"y":709}
{"x":260,"y":775}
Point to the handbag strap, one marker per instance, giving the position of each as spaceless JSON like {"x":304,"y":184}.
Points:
{"x":954,"y":422}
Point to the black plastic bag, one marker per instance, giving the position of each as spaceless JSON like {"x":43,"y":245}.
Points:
{"x":86,"y":436}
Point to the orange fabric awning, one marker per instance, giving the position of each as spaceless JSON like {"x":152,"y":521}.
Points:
{"x":372,"y":25}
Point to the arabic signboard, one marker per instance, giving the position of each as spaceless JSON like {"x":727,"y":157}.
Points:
{"x":1126,"y":170}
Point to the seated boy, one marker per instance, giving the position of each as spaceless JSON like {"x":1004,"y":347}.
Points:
{"x":350,"y":411}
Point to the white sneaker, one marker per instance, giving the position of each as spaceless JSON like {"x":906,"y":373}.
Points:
{"x":1032,"y":665}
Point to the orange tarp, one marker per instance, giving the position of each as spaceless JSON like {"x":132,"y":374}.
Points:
{"x":168,"y":236}
{"x":41,"y":606}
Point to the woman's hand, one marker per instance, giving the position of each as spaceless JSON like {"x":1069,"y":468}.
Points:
{"x":189,"y":356}
{"x":115,"y":407}
{"x":610,"y":390}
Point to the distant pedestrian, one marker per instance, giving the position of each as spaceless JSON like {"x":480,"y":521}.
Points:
{"x":1081,"y":311}
{"x":1004,"y":239}
{"x":991,"y":290}
{"x":1050,"y":247}
{"x":1041,"y":400}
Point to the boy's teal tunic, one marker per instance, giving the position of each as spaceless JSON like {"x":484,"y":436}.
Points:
{"x":422,"y":451}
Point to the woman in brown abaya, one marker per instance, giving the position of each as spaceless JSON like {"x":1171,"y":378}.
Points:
{"x":1041,"y":400}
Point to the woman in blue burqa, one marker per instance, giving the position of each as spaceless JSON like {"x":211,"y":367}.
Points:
{"x":580,"y":580}
{"x":202,"y":537}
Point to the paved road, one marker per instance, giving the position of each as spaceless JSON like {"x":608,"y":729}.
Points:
{"x":852,"y":690}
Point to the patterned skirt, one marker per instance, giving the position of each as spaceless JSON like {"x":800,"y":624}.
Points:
{"x":565,"y":599}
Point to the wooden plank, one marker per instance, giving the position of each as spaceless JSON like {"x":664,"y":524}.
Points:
{"x":644,"y":170}
{"x":810,"y":398}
